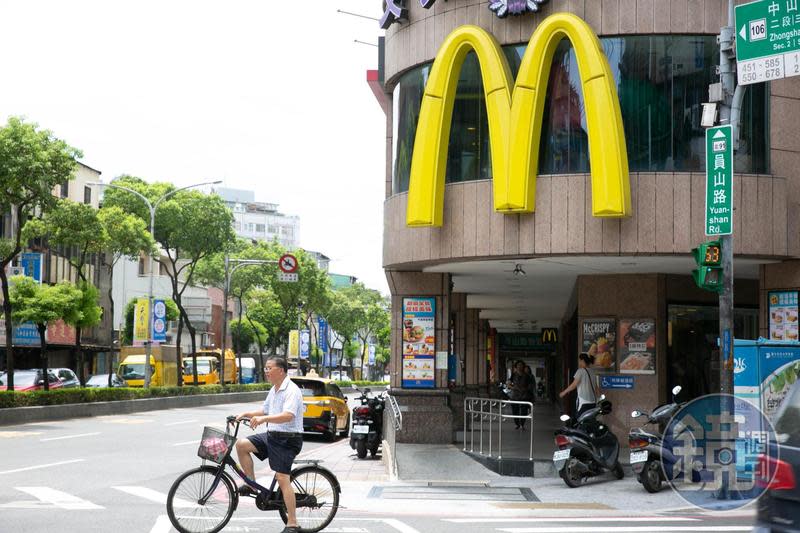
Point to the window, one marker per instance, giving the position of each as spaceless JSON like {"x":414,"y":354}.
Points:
{"x":661,"y":81}
{"x":87,"y":195}
{"x":142,"y":269}
{"x":260,"y":228}
{"x":65,"y":189}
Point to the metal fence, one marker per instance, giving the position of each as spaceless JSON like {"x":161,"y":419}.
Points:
{"x":397,"y":416}
{"x":485,"y":416}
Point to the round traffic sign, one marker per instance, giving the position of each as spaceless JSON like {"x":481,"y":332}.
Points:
{"x":288,"y":263}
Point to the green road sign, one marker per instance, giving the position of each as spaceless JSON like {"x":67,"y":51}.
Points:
{"x":767,"y":40}
{"x":719,"y":181}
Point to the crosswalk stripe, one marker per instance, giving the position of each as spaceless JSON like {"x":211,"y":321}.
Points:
{"x":573,"y":519}
{"x":154,"y":496}
{"x":58,"y":498}
{"x":162,"y":525}
{"x":624,"y":529}
{"x":179,"y":423}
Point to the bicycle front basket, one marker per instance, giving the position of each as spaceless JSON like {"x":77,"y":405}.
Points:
{"x":215,"y":444}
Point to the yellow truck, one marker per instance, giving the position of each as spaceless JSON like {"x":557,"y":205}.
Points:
{"x":163,"y":366}
{"x":208,"y":367}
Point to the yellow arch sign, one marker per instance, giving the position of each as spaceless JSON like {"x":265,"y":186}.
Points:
{"x":515,"y":127}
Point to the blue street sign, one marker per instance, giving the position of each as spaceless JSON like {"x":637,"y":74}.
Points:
{"x":159,"y":333}
{"x":616,"y":382}
{"x":31,"y":263}
{"x":323,"y":335}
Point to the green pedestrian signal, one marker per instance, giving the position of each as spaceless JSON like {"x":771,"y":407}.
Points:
{"x":708,"y":275}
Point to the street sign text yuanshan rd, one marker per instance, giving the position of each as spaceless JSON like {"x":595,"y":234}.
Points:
{"x":767,"y":40}
{"x":719,"y":181}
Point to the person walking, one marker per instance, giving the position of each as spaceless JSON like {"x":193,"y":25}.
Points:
{"x":283,"y":440}
{"x":583,"y":380}
{"x":520,"y":383}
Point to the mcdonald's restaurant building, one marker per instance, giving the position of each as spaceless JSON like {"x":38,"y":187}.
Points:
{"x":545,"y":184}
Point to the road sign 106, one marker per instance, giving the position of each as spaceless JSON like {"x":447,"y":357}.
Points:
{"x":758,"y":29}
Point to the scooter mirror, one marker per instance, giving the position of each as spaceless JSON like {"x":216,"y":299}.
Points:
{"x":676,"y":389}
{"x":564,"y":418}
{"x":635,"y":414}
{"x":602,"y":396}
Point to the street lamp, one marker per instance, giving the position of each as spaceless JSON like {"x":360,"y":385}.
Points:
{"x":225,"y":290}
{"x":152,"y":207}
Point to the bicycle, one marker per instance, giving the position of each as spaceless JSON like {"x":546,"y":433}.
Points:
{"x":203,"y":500}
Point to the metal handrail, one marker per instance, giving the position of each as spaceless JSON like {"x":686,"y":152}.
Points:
{"x":397,"y":416}
{"x":480,"y":410}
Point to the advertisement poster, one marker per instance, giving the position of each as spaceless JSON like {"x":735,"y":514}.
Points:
{"x":305,"y":343}
{"x":637,"y":346}
{"x":141,"y":317}
{"x":159,"y":321}
{"x":419,"y":343}
{"x":294,"y":344}
{"x":783,"y":315}
{"x":598,"y":338}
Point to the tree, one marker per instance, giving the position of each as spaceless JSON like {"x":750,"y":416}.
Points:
{"x":126,"y":335}
{"x":71,"y":225}
{"x":343,"y":317}
{"x":128,"y":236}
{"x":372,"y":313}
{"x":43,"y":304}
{"x":245,"y":333}
{"x":189,"y":226}
{"x":32,"y":163}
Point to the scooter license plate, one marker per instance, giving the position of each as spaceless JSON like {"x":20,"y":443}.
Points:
{"x":639,"y":457}
{"x":361,"y":429}
{"x":561,"y":455}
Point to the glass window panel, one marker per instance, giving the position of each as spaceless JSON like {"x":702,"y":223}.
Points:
{"x":661,"y":81}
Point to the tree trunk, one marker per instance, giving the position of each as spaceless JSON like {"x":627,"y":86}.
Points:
{"x":260,"y":351}
{"x":238,"y":345}
{"x":9,"y":329}
{"x":110,"y":357}
{"x":79,"y":357}
{"x":178,"y":354}
{"x":191,"y":329}
{"x":43,"y":354}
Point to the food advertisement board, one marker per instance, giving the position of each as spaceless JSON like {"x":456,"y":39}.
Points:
{"x":419,"y":343}
{"x":637,"y":346}
{"x":598,"y":338}
{"x":783,"y":316}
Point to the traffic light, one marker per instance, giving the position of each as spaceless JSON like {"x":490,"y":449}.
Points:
{"x":708,"y":257}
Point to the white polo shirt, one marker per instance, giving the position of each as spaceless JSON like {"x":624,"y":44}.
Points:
{"x":287,"y":397}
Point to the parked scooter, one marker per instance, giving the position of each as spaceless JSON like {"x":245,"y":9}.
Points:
{"x":647,"y":446}
{"x":367,"y":432}
{"x":586,"y":447}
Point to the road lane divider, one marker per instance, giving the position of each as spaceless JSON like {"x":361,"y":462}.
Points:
{"x":70,"y":436}
{"x":179,"y":423}
{"x":154,"y":496}
{"x":59,"y":499}
{"x":41,"y":466}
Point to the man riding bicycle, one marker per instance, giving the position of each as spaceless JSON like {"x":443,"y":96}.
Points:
{"x":283,"y":440}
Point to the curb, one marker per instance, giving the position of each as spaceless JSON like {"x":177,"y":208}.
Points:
{"x":41,"y":413}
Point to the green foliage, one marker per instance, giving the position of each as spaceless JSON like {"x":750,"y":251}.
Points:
{"x":130,"y":309}
{"x":90,"y":314}
{"x":128,"y":235}
{"x":359,"y":383}
{"x":244,"y":335}
{"x":42,"y":304}
{"x":88,"y":395}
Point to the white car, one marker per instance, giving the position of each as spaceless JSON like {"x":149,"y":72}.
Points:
{"x":339,"y":376}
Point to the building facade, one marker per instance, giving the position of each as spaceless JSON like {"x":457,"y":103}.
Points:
{"x":502,"y":281}
{"x":259,"y":220}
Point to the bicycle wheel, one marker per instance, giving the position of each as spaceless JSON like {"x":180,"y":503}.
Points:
{"x":317,"y":495}
{"x":187,"y":515}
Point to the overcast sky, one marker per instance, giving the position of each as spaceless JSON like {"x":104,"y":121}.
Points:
{"x":265,"y":95}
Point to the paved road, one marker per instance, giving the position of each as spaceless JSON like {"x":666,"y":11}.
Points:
{"x":112,"y":474}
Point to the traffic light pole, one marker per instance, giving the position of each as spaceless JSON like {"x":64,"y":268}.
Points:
{"x":727,"y":72}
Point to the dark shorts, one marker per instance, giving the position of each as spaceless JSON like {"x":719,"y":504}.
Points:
{"x":279,"y":449}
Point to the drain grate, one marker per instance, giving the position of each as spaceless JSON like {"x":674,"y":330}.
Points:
{"x":434,"y":491}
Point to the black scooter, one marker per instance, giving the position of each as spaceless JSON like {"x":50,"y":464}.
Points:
{"x":586,"y":447}
{"x":367,"y":432}
{"x":647,"y":446}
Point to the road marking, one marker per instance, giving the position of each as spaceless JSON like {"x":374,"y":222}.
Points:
{"x":179,"y":423}
{"x":624,"y":529}
{"x":155,"y":496}
{"x":70,"y":436}
{"x":15,"y":434}
{"x":573,"y":519}
{"x":127,"y":421}
{"x":195,"y":441}
{"x":162,"y":525}
{"x":41,"y":466}
{"x":398,"y":525}
{"x":60,"y":499}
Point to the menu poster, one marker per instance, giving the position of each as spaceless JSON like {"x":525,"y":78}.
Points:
{"x":598,"y":338}
{"x":419,"y":343}
{"x":783,"y":316}
{"x":637,"y":346}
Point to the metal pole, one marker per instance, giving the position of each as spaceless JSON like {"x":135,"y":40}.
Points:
{"x":727,"y":71}
{"x":224,"y":343}
{"x":149,"y":344}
